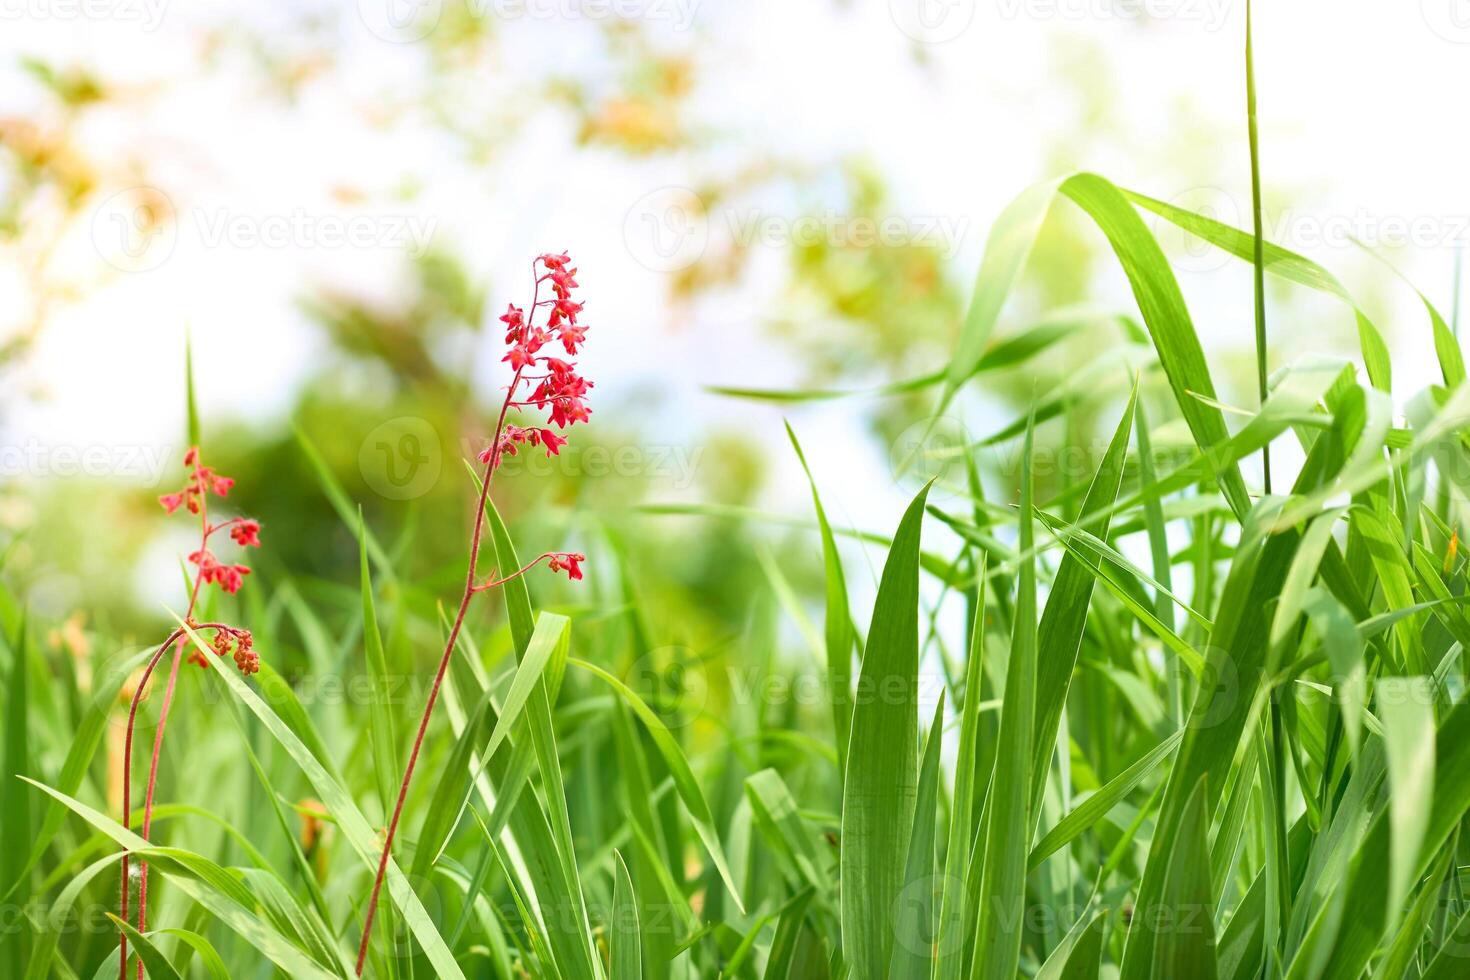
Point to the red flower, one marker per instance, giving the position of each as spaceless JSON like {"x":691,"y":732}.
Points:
{"x":552,"y":442}
{"x":246,"y":533}
{"x":222,"y":484}
{"x":554,"y":262}
{"x":571,"y":336}
{"x":520,"y":357}
{"x":171,"y":501}
{"x":569,"y":562}
{"x":514,"y":317}
{"x":564,"y":309}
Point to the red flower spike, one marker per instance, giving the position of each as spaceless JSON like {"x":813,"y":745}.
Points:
{"x":560,"y":393}
{"x":193,"y":496}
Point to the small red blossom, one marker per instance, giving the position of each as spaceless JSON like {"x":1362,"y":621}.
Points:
{"x":520,"y":357}
{"x":171,"y":501}
{"x":555,"y":262}
{"x":564,"y":309}
{"x":569,"y":562}
{"x":514,"y":317}
{"x":572,"y":336}
{"x":246,"y":533}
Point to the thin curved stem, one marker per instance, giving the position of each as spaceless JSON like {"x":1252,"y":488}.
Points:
{"x":127,"y":781}
{"x":168,"y":700}
{"x":464,"y":604}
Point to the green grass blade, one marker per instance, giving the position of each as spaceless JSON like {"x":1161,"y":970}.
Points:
{"x":1186,"y":945}
{"x":949,"y":939}
{"x":154,"y":961}
{"x":15,"y":801}
{"x":1078,"y":956}
{"x":838,"y":628}
{"x":1059,"y":634}
{"x":914,"y":915}
{"x":626,"y":953}
{"x":380,"y":715}
{"x":1406,"y":708}
{"x":881,"y":782}
{"x":1012,"y":818}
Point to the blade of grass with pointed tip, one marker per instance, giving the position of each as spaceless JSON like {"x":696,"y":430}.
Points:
{"x":781,"y":962}
{"x":838,"y":626}
{"x":882,"y":768}
{"x":193,"y":407}
{"x":154,"y":961}
{"x":1011,"y":821}
{"x":626,"y":953}
{"x":1078,"y":956}
{"x":1059,"y":634}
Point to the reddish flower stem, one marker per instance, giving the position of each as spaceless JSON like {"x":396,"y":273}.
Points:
{"x":173,"y":675}
{"x":464,"y":604}
{"x":168,"y":699}
{"x":128,"y":770}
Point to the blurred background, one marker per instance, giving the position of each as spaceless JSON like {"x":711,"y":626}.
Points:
{"x":336,"y":200}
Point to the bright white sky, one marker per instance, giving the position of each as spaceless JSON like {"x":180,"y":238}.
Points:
{"x":1358,"y":120}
